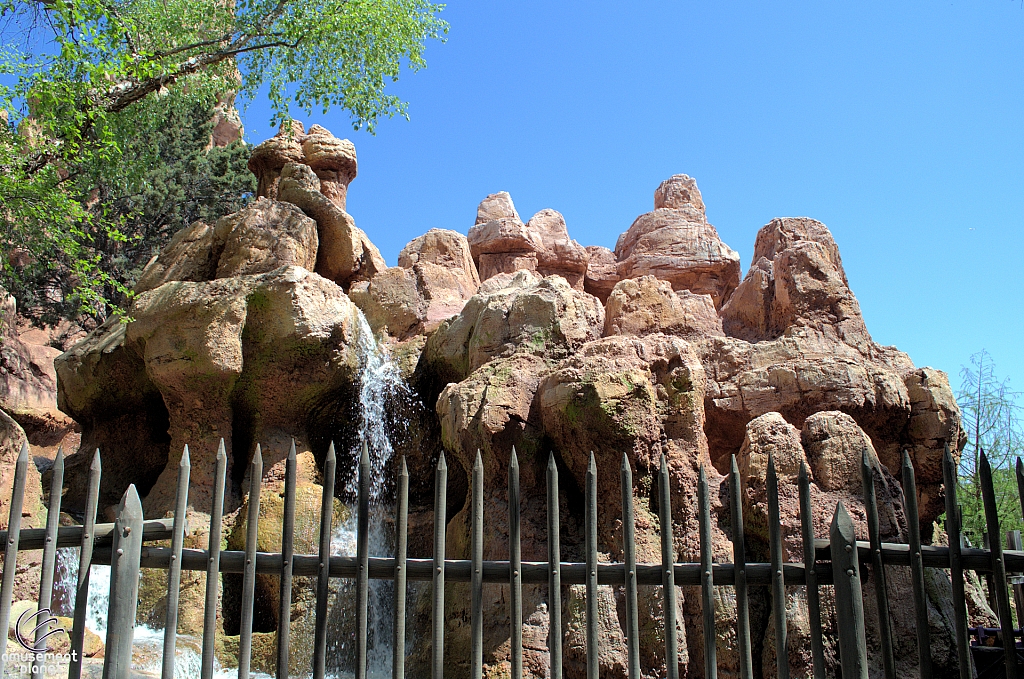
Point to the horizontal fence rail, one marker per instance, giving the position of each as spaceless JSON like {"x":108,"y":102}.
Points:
{"x":838,"y":562}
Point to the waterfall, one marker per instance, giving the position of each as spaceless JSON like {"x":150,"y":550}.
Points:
{"x":381,"y":382}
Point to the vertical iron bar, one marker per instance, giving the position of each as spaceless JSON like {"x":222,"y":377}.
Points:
{"x":401,"y":551}
{"x":593,"y":665}
{"x":49,"y":556}
{"x":322,"y":575}
{"x":778,"y":583}
{"x":554,"y":573}
{"x":124,"y":587}
{"x":477,"y":580}
{"x":853,"y":653}
{"x":363,"y":556}
{"x":92,"y":499}
{"x":13,"y":536}
{"x":1013,"y":542}
{"x":668,"y":579}
{"x":707,"y":591}
{"x":739,"y":556}
{"x":213,"y":564}
{"x":284,"y":611}
{"x":629,"y":554}
{"x":956,"y":570}
{"x":440,"y":531}
{"x":877,"y":568}
{"x":810,"y":573}
{"x":249,"y":572}
{"x":174,"y":569}
{"x":998,"y":567}
{"x":515,"y":567}
{"x":917,"y":568}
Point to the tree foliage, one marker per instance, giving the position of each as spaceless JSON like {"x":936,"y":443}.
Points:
{"x":991,"y":417}
{"x":90,"y":85}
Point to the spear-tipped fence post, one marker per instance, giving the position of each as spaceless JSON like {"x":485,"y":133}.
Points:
{"x":477,"y":578}
{"x":629,"y":554}
{"x":810,"y":573}
{"x":401,"y":550}
{"x":778,"y":582}
{"x":363,"y":556}
{"x":956,"y":570}
{"x":49,"y":557}
{"x":853,"y":654}
{"x":213,"y":563}
{"x":124,"y":587}
{"x":284,"y":611}
{"x":174,"y":569}
{"x":323,"y":567}
{"x":867,"y":470}
{"x":707,"y":581}
{"x":917,"y":569}
{"x":440,"y":532}
{"x":668,"y":579}
{"x":593,"y":665}
{"x":515,"y":601}
{"x":554,"y":572}
{"x":988,"y":497}
{"x":92,"y":499}
{"x":13,"y":536}
{"x":249,"y":572}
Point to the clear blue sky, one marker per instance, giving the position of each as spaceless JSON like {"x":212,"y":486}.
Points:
{"x":900,"y":125}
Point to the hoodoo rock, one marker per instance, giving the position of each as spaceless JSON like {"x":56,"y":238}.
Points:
{"x":434,"y":279}
{"x":275,"y":323}
{"x":501,"y":243}
{"x":676,"y":243}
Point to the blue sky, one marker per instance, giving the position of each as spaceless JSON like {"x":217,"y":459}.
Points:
{"x":900,"y":125}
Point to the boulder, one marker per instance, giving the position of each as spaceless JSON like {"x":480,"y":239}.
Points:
{"x":192,"y":254}
{"x":269,"y":157}
{"x":796,"y":281}
{"x":501,"y":243}
{"x":513,"y":313}
{"x":675,"y":243}
{"x":345,"y":253}
{"x":645,"y":305}
{"x":602,"y":272}
{"x":442,"y":247}
{"x":264,"y":236}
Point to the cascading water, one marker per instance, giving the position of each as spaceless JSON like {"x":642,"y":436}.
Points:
{"x":381,"y":383}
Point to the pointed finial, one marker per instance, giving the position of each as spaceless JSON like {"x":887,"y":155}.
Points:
{"x":291,"y":452}
{"x":330,"y":452}
{"x":702,"y":476}
{"x":551,"y":461}
{"x":58,"y":462}
{"x":364,"y":458}
{"x":258,"y":455}
{"x":906,"y":460}
{"x":96,"y":466}
{"x":734,"y":466}
{"x":221,"y":452}
{"x":664,"y":464}
{"x":185,"y":460}
{"x":771,"y":465}
{"x":592,"y":465}
{"x":984,"y":458}
{"x":865,"y":458}
{"x":131,"y":505}
{"x":513,"y":462}
{"x":441,"y":464}
{"x":625,"y":463}
{"x":23,"y":455}
{"x":1020,"y":467}
{"x":477,"y":464}
{"x":404,"y":471}
{"x":803,"y":476}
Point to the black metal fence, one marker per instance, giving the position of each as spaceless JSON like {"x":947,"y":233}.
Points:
{"x":836,"y":561}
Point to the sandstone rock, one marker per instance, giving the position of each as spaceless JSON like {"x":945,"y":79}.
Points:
{"x":442,"y":247}
{"x":264,"y":236}
{"x":333,"y":160}
{"x":602,"y":272}
{"x":345,"y":253}
{"x":796,"y":281}
{"x":640,"y":306}
{"x":247,"y":359}
{"x":514,"y":313}
{"x":227,"y":126}
{"x":675,"y":243}
{"x":12,"y":438}
{"x":501,"y":243}
{"x":271,"y":156}
{"x":835,"y":444}
{"x":192,"y":254}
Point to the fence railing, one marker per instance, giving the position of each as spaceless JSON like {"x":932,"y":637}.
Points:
{"x":836,"y":561}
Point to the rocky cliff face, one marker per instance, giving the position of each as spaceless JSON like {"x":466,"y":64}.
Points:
{"x":252,"y":330}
